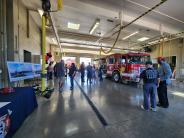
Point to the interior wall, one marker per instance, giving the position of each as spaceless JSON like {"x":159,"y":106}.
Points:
{"x":171,"y":48}
{"x":31,"y":43}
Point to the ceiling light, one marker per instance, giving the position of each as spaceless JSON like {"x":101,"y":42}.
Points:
{"x":73,"y":26}
{"x":130,"y":35}
{"x":95,"y":25}
{"x":40,"y":12}
{"x":143,"y":39}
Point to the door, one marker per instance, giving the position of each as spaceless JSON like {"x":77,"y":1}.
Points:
{"x":27,"y":56}
{"x":123,"y":64}
{"x":110,"y":66}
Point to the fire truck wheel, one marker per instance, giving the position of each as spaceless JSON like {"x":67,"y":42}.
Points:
{"x":116,"y":76}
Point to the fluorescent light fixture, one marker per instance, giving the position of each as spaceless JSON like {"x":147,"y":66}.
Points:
{"x":143,"y":39}
{"x":95,"y":25}
{"x":73,"y":26}
{"x":40,"y":12}
{"x":130,"y":35}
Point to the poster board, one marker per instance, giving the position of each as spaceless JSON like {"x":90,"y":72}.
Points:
{"x":19,"y":71}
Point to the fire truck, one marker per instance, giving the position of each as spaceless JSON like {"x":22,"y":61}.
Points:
{"x":126,"y":67}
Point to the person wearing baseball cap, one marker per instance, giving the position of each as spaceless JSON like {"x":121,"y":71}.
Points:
{"x":150,"y":78}
{"x":165,"y":74}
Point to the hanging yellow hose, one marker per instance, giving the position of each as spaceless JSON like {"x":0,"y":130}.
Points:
{"x":160,"y":46}
{"x":107,"y":52}
{"x":163,"y":47}
{"x":170,"y":49}
{"x":100,"y":52}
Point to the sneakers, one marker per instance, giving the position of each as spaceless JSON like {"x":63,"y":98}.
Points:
{"x":142,"y":107}
{"x":152,"y":109}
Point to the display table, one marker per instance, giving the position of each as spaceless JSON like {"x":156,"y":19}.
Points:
{"x":22,"y":103}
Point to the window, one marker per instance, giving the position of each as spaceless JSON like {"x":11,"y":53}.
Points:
{"x":85,"y":60}
{"x":138,"y":59}
{"x":27,"y":56}
{"x":69,"y":60}
{"x":123,"y":60}
{"x":111,"y":60}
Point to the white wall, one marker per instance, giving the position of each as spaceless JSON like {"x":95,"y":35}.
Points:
{"x":31,"y":43}
{"x":171,"y":48}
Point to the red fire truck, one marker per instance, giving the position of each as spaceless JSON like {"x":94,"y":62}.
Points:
{"x":126,"y":67}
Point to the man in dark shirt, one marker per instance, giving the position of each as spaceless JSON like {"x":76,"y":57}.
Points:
{"x":82,"y":71}
{"x":150,"y":78}
{"x":60,"y":71}
{"x":89,"y":73}
{"x":100,"y":73}
{"x":72,"y":72}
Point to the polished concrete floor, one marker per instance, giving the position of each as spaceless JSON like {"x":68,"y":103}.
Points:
{"x":69,"y":115}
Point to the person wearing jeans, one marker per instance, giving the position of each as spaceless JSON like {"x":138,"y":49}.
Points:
{"x":72,"y":72}
{"x":82,"y":71}
{"x":100,"y":73}
{"x":60,"y":71}
{"x":149,"y":91}
{"x":150,"y":78}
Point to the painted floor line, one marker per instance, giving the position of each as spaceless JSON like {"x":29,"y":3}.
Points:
{"x":97,"y":112}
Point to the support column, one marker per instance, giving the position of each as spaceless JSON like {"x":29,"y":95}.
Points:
{"x":3,"y":45}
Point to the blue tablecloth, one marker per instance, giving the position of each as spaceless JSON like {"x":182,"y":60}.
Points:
{"x":23,"y":102}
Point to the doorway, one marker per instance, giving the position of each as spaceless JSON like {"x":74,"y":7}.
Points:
{"x":27,"y":56}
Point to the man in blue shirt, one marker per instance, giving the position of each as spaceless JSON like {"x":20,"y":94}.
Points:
{"x":165,"y":74}
{"x":150,"y":79}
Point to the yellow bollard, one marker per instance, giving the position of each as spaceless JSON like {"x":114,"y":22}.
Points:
{"x":60,"y":4}
{"x":43,"y":75}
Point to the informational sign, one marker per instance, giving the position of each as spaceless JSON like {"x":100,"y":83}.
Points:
{"x":37,"y":70}
{"x":20,"y":71}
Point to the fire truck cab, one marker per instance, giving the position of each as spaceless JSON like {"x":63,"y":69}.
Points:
{"x":126,"y":67}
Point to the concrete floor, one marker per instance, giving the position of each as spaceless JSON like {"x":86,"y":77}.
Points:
{"x":69,"y":115}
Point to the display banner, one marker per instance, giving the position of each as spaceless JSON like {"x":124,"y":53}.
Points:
{"x":21,"y":71}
